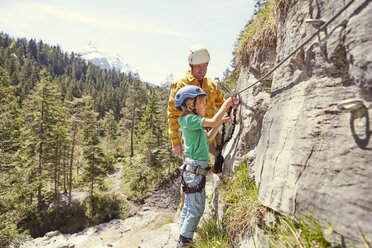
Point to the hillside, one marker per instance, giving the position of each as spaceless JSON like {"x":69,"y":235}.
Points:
{"x":64,"y":123}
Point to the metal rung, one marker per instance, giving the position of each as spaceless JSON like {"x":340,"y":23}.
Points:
{"x":350,"y":104}
{"x":315,"y":21}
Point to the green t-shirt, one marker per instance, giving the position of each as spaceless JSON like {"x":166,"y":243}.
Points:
{"x":194,"y":136}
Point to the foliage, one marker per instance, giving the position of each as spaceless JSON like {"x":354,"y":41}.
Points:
{"x":100,"y":208}
{"x":8,"y":230}
{"x":151,"y":131}
{"x":96,"y":168}
{"x":105,"y":207}
{"x":229,"y":81}
{"x":212,"y":236}
{"x":243,"y":212}
{"x":258,"y":33}
{"x":133,"y":110}
{"x":63,"y":123}
{"x":139,"y":179}
{"x":24,"y":59}
{"x":144,"y":171}
{"x":301,"y":231}
{"x":40,"y":133}
{"x":239,"y":194}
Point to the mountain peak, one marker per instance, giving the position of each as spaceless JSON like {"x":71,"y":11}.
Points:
{"x":91,"y":47}
{"x":92,"y":54}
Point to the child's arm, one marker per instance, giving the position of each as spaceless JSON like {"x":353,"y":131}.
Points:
{"x":212,"y":133}
{"x":216,"y":120}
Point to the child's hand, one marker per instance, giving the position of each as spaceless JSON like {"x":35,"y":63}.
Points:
{"x":228,"y":102}
{"x":225,"y":119}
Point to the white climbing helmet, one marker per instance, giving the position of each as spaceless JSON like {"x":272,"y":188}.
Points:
{"x":198,"y":54}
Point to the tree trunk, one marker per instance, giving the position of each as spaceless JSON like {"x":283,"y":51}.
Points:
{"x":40,"y":161}
{"x":92,"y":179}
{"x":132,"y":133}
{"x":71,"y":163}
{"x":39,"y":178}
{"x":56,"y":181}
{"x":64,"y":170}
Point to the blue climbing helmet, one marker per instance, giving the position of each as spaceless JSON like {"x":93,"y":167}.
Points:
{"x":189,"y":91}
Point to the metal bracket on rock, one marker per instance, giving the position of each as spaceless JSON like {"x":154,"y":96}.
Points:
{"x":316,"y":22}
{"x":350,"y":104}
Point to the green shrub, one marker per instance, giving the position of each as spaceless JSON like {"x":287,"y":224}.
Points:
{"x":301,"y":231}
{"x":139,"y":179}
{"x":242,"y":210}
{"x":50,"y":219}
{"x":212,"y":235}
{"x":8,"y":230}
{"x":259,"y":33}
{"x":105,"y":207}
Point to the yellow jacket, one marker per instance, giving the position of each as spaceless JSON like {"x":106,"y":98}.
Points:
{"x":214,"y":100}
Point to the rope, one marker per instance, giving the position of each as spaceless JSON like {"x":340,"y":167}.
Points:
{"x":299,"y":47}
{"x":223,"y":142}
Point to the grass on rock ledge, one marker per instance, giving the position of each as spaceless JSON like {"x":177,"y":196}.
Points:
{"x":243,"y":213}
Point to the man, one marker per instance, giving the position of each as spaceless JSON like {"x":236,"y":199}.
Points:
{"x":198,"y":60}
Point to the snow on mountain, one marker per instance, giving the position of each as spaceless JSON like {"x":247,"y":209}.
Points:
{"x":104,"y":61}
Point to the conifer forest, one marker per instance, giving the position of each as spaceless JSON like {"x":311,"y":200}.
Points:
{"x":64,"y":124}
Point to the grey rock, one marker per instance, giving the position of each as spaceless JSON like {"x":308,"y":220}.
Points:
{"x":305,"y":153}
{"x":52,"y":234}
{"x":165,"y":237}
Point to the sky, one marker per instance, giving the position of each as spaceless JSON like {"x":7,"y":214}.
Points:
{"x":153,"y":36}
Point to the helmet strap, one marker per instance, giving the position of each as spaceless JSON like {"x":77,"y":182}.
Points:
{"x":194,"y":109}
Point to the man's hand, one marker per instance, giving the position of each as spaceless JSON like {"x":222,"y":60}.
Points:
{"x":178,"y":151}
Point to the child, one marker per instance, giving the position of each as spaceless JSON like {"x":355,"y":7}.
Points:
{"x":191,"y":100}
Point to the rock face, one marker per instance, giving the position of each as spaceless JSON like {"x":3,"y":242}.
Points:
{"x":304,"y":151}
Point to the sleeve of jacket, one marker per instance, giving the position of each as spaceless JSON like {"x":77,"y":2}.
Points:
{"x":219,"y":100}
{"x":173,"y":115}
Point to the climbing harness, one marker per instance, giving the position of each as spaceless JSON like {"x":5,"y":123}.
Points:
{"x":197,"y":170}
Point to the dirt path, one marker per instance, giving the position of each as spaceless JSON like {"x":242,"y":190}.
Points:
{"x":151,"y":225}
{"x":134,"y":237}
{"x":115,"y":177}
{"x":160,"y":208}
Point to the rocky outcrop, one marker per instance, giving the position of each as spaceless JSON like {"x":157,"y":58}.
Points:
{"x":305,"y":152}
{"x":150,"y":225}
{"x":116,"y":233}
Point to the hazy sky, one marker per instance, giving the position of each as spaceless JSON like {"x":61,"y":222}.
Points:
{"x":153,"y":36}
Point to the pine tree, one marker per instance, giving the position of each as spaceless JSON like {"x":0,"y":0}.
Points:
{"x":109,"y":131}
{"x":77,"y":107}
{"x":150,"y":131}
{"x":94,"y":170}
{"x":40,"y":134}
{"x":9,"y":121}
{"x":168,"y":159}
{"x":61,"y":141}
{"x":132,"y":111}
{"x":9,"y":134}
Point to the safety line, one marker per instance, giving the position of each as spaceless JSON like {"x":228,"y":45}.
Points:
{"x":298,"y":48}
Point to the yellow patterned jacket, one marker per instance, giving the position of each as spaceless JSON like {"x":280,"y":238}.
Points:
{"x":214,"y":100}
